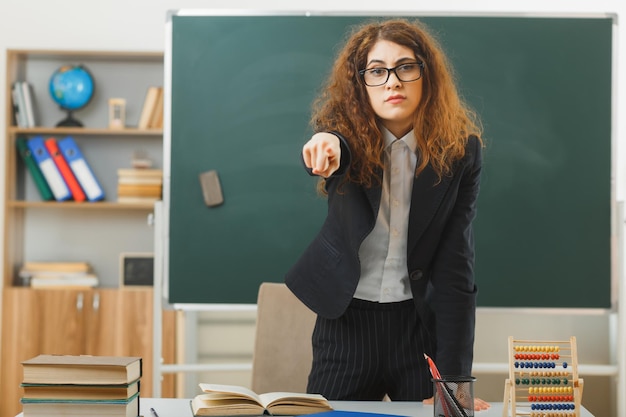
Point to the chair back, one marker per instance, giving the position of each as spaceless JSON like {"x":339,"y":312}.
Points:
{"x":282,"y":348}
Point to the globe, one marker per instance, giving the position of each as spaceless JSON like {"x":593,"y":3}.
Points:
{"x":71,"y":87}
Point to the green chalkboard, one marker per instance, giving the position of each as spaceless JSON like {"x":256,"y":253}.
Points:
{"x":241,"y":92}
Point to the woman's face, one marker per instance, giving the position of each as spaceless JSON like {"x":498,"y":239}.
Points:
{"x":395,"y":102}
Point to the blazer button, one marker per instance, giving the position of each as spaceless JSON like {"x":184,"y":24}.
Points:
{"x":417,"y":274}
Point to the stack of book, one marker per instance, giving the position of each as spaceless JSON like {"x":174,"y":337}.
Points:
{"x":58,"y":275}
{"x":139,"y":185}
{"x":59,"y":169}
{"x":65,"y":385}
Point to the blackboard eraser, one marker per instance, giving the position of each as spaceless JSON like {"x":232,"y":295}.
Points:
{"x":211,"y":188}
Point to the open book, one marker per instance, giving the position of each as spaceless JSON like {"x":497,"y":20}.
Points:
{"x":232,"y":400}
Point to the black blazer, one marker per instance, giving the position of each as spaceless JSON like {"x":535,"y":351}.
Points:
{"x":440,"y":254}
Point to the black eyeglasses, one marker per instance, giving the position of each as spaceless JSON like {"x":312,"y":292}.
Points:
{"x":374,"y":77}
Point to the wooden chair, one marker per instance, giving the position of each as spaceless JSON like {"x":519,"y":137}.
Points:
{"x":282,"y":349}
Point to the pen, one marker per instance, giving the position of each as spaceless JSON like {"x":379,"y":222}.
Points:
{"x":154,"y":413}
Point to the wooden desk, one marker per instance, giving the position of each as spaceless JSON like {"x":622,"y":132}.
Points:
{"x":169,"y":407}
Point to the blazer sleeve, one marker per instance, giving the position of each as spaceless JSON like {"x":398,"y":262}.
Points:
{"x":453,"y":291}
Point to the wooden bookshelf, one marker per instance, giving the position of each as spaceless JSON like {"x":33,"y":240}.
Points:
{"x":106,"y":320}
{"x":123,"y":74}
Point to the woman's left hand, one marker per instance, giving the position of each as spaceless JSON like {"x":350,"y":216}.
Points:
{"x":479,"y":404}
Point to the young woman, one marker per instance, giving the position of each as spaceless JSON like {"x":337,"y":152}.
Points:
{"x":390,"y":274}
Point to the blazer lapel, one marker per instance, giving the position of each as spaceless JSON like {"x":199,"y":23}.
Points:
{"x":426,"y":198}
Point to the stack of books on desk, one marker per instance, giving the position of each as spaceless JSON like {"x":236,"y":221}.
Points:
{"x":66,"y":385}
{"x":139,"y":185}
{"x":58,"y":275}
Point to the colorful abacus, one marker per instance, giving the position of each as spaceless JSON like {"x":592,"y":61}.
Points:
{"x":543,"y":379}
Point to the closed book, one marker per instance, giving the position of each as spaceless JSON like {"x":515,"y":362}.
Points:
{"x":156,"y":119}
{"x":65,"y":170}
{"x":75,"y":407}
{"x":35,"y":266}
{"x":51,"y":274}
{"x":64,"y":281}
{"x":81,"y":369}
{"x":145,"y":190}
{"x":137,"y":200}
{"x":140,"y":180}
{"x":140,"y":172}
{"x":49,"y":169}
{"x":19,"y":110}
{"x":80,"y":391}
{"x":29,"y":108}
{"x":33,"y":169}
{"x":81,"y":169}
{"x":148,"y":107}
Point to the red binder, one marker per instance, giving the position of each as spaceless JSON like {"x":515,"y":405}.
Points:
{"x":68,"y":176}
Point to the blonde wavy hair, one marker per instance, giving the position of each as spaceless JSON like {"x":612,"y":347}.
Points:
{"x":442,"y":122}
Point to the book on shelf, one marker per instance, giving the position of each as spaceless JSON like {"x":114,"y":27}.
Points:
{"x":29,"y":107}
{"x":33,"y":169}
{"x":231,"y":400}
{"x":70,"y":266}
{"x":137,"y":200}
{"x":19,"y":112}
{"x":149,"y":105}
{"x":65,"y":170}
{"x":23,"y":104}
{"x":140,"y":180}
{"x":81,"y":369}
{"x":81,"y":169}
{"x":139,"y":190}
{"x":33,"y":407}
{"x":64,"y":281}
{"x":156,"y":119}
{"x":80,"y":391}
{"x":140,"y":173}
{"x":48,"y":168}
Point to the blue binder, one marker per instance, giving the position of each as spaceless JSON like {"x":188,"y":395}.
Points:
{"x":81,"y":169}
{"x":49,"y":169}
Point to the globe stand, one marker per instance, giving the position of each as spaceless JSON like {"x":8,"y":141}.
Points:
{"x":69,"y":121}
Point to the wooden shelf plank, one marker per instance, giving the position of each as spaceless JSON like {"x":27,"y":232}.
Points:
{"x":71,"y":205}
{"x":81,"y":131}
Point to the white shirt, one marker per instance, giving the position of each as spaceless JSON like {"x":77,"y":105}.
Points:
{"x":383,"y":253}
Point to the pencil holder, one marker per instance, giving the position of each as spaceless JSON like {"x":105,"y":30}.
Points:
{"x":454,"y":396}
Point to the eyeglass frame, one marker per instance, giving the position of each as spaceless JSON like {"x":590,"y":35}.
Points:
{"x":420,"y":64}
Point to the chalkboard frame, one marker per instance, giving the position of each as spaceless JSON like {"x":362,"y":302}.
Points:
{"x":604,"y":300}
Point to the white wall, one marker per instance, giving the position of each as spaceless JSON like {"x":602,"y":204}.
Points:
{"x":139,"y":25}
